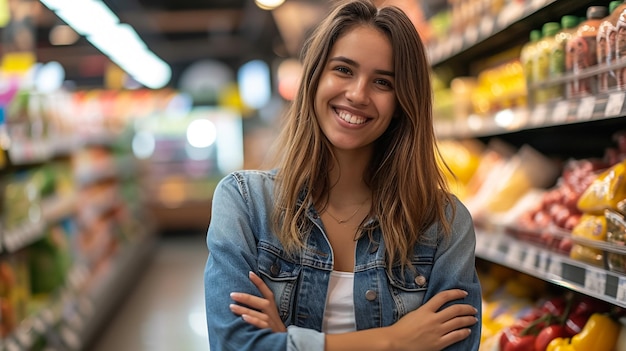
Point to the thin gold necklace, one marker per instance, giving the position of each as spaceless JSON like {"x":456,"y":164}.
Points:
{"x":342,"y":221}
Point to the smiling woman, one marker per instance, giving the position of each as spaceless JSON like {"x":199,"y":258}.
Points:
{"x":352,"y":241}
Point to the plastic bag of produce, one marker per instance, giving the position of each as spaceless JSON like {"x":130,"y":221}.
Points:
{"x":606,"y":191}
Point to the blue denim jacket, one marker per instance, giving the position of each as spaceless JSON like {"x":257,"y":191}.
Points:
{"x":240,"y":240}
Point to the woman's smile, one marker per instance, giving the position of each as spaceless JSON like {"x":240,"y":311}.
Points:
{"x":356,"y":99}
{"x":351,"y":118}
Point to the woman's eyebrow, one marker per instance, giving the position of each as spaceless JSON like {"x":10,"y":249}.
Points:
{"x":355,"y":64}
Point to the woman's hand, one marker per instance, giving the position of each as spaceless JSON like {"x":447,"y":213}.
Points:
{"x":258,"y":311}
{"x":432,"y":328}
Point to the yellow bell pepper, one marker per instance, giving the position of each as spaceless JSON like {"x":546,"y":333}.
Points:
{"x":560,"y":344}
{"x":599,"y":334}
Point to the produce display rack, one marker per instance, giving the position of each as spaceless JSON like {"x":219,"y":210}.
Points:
{"x":510,"y":26}
{"x":496,"y":246}
{"x":71,"y":318}
{"x":577,"y":127}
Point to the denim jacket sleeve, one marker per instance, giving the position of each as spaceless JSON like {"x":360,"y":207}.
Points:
{"x":455,"y":267}
{"x":232,"y":254}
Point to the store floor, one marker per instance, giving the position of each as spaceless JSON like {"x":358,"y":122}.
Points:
{"x":164,"y":311}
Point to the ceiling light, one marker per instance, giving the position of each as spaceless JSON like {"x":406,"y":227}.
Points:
{"x":268,"y":4}
{"x":119,"y":41}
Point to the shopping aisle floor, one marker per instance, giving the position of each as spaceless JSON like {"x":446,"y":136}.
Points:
{"x":165,"y":309}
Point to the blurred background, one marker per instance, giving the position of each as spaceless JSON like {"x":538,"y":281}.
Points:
{"x":118,"y":118}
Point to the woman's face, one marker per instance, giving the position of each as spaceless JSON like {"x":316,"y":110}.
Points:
{"x":355,"y":99}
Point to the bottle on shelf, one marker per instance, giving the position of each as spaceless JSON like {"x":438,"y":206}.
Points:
{"x":606,"y":30}
{"x":545,"y":47}
{"x":528,"y":59}
{"x":581,"y":50}
{"x":620,"y":46}
{"x":559,"y":66}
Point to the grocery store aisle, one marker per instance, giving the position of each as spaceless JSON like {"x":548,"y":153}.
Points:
{"x":165,"y":310}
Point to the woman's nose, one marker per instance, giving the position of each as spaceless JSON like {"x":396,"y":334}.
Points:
{"x":357,"y":92}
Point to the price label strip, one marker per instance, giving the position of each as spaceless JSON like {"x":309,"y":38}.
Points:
{"x":486,"y":26}
{"x":614,"y":105}
{"x":543,"y":263}
{"x":530,"y":258}
{"x":595,"y":281}
{"x":539,"y":114}
{"x":514,"y":256}
{"x":555,"y":268}
{"x":586,"y":107}
{"x":621,"y":291}
{"x":561,"y":112}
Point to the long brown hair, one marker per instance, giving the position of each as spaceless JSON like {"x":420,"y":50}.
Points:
{"x":409,"y":191}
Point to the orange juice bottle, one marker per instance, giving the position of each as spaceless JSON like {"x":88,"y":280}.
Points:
{"x":582,"y":50}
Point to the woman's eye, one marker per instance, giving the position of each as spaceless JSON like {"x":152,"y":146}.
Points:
{"x":383,"y":82}
{"x":342,"y":69}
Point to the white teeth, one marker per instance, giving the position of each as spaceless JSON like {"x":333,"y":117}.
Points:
{"x":350,"y":118}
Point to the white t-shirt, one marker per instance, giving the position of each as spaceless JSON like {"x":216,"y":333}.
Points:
{"x":339,"y":312}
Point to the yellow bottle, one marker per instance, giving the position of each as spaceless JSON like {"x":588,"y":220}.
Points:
{"x":528,"y":60}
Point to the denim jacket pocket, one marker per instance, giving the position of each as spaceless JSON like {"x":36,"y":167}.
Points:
{"x":408,"y":286}
{"x":281,"y":276}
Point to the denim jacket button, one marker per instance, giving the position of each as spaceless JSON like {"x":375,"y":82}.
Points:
{"x":420,"y":280}
{"x":274,"y":269}
{"x":370,"y":295}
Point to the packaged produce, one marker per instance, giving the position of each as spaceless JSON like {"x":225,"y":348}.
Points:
{"x":462,"y":159}
{"x":581,"y":50}
{"x":21,"y":201}
{"x":14,"y":292}
{"x":593,"y":228}
{"x":508,"y":184}
{"x":49,"y":260}
{"x":616,"y":234}
{"x":606,"y":191}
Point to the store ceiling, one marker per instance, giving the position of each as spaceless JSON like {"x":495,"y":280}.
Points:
{"x":182,"y":32}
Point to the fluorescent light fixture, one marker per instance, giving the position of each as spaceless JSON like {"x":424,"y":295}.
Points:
{"x":88,"y":17}
{"x":57,"y":4}
{"x":119,"y":41}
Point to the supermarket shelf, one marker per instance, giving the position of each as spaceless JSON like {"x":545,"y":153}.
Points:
{"x":493,"y":34}
{"x":72,"y":319}
{"x":118,"y":167}
{"x":28,"y":151}
{"x":497,"y":247}
{"x":555,"y":113}
{"x":50,"y":211}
